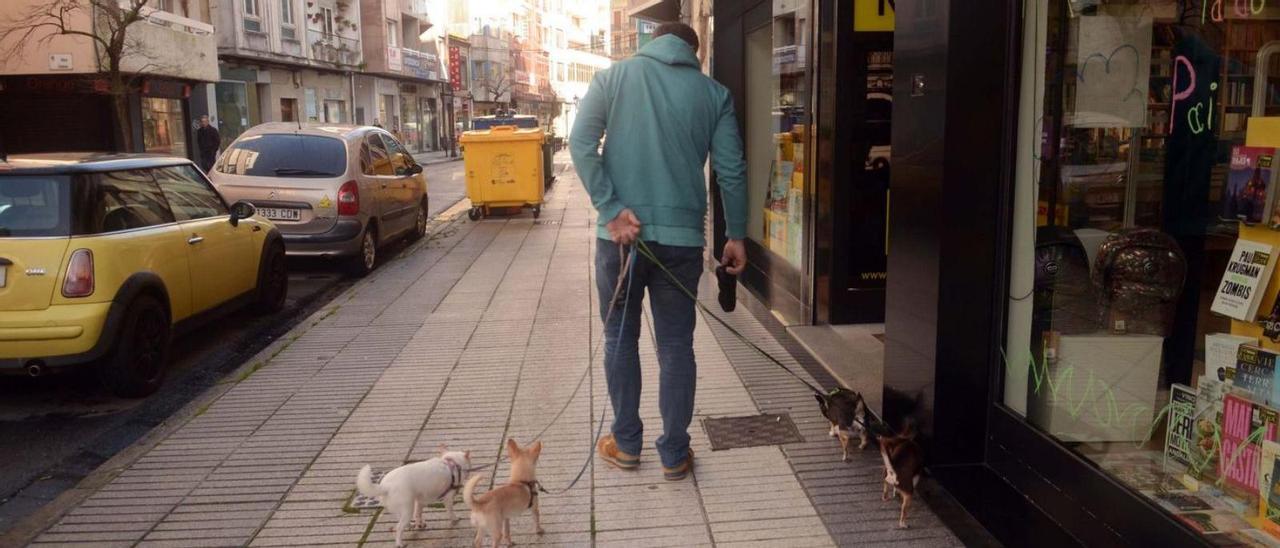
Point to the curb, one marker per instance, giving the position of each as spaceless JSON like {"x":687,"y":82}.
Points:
{"x":30,"y":527}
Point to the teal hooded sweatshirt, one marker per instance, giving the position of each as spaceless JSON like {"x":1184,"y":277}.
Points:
{"x":662,"y":117}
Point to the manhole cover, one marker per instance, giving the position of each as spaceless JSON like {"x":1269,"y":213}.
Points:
{"x":359,"y":502}
{"x":753,"y":431}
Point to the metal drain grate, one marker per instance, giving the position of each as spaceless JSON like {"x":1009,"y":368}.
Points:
{"x":753,"y":431}
{"x":546,"y":222}
{"x":359,"y":502}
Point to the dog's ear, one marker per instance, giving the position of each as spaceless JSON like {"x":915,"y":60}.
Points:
{"x":444,"y":448}
{"x":467,"y":455}
{"x":822,"y":400}
{"x":535,"y":449}
{"x":512,"y":447}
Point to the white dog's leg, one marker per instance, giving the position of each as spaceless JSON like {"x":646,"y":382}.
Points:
{"x":448,"y":505}
{"x":404,"y":520}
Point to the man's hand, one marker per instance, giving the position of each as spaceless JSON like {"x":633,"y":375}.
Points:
{"x":625,"y":228}
{"x":734,"y":257}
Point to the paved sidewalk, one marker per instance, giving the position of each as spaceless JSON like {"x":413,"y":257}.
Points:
{"x":480,"y":335}
{"x":436,"y":157}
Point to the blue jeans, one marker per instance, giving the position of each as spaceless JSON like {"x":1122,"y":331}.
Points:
{"x":673,"y":320}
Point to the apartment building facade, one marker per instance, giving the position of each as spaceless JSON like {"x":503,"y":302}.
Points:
{"x":577,"y":45}
{"x":285,"y":61}
{"x":401,"y":87}
{"x":54,"y":93}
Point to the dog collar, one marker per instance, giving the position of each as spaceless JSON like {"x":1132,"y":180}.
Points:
{"x":533,"y":487}
{"x":455,"y":473}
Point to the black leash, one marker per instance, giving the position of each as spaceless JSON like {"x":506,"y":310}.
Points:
{"x":643,"y":249}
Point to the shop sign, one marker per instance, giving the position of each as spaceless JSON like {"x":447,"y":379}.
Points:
{"x":163,"y":88}
{"x":455,"y":70}
{"x":644,"y":32}
{"x":873,"y":15}
{"x":408,"y":88}
{"x":394,"y":62}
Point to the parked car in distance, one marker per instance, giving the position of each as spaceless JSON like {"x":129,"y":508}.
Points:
{"x":103,"y":258}
{"x":334,"y":191}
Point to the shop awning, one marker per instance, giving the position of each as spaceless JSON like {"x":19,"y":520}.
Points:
{"x":658,"y":10}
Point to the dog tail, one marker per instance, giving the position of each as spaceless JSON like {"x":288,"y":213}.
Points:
{"x":364,"y":483}
{"x":468,"y":493}
{"x":908,"y":430}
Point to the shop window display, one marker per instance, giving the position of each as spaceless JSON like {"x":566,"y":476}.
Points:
{"x":1143,"y":326}
{"x":777,"y":113}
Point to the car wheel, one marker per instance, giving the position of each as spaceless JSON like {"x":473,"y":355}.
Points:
{"x":273,"y":286}
{"x":367,"y":258}
{"x":136,"y":366}
{"x":419,"y":223}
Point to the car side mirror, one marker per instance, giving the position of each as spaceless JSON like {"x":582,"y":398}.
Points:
{"x":241,"y":210}
{"x":415,"y":169}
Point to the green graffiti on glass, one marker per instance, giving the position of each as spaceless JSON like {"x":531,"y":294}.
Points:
{"x":1106,"y":412}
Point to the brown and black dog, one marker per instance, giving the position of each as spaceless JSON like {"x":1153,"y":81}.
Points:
{"x":847,"y":413}
{"x":903,"y":466}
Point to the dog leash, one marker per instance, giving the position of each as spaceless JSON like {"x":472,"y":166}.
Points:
{"x":629,"y":259}
{"x":643,"y":249}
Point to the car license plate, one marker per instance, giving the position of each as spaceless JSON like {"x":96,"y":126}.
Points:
{"x":280,"y":214}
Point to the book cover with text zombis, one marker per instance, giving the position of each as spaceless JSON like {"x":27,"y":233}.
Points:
{"x":1244,"y":281}
{"x":1241,"y":455}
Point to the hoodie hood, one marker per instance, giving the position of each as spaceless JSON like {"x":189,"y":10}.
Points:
{"x":672,"y":50}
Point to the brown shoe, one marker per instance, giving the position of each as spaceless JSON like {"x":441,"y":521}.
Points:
{"x":608,"y":450}
{"x":681,"y":470}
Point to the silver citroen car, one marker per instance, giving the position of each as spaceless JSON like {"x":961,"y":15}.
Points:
{"x":334,"y":191}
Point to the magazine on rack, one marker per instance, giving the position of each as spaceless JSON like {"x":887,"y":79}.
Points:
{"x":1255,"y":374}
{"x":1238,"y":461}
{"x":1245,"y":280}
{"x":1247,"y":196}
{"x":1179,"y":435}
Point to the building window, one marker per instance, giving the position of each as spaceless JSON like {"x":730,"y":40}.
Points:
{"x":393,"y":33}
{"x":162,"y":128}
{"x":288,"y":110}
{"x":326,"y":21}
{"x":1141,"y":328}
{"x":252,"y":16}
{"x":287,"y":24}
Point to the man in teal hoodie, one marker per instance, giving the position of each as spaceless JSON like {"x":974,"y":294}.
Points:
{"x":663,"y":117}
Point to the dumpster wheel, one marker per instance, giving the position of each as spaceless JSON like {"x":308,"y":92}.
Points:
{"x":474,"y":214}
{"x":537,"y":210}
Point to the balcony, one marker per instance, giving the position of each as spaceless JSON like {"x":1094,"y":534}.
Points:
{"x":173,"y":45}
{"x":332,"y":48}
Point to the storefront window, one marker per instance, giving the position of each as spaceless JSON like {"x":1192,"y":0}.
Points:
{"x":162,"y":128}
{"x":777,"y":113}
{"x":1142,"y":318}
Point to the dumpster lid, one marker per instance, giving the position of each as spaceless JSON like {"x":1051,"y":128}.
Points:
{"x":502,"y":133}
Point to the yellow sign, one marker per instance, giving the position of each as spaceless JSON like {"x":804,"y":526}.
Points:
{"x":873,"y":15}
{"x":325,"y":202}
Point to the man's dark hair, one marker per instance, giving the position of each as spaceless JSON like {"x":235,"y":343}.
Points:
{"x":685,"y":32}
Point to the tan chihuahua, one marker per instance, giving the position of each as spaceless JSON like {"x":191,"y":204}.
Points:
{"x":491,"y":512}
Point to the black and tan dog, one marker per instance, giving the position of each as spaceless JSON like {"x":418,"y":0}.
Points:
{"x":903,"y":466}
{"x":847,"y":412}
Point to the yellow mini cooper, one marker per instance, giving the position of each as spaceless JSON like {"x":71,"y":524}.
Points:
{"x":104,"y":257}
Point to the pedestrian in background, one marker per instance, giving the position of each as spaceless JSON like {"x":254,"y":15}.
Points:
{"x":663,"y":117}
{"x":207,"y":141}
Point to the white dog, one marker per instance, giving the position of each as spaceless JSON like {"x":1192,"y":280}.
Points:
{"x":405,"y":490}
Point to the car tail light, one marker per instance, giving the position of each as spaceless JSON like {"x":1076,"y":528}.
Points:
{"x":79,"y":282}
{"x":349,"y":199}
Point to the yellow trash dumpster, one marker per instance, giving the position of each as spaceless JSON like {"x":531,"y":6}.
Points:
{"x":504,"y":169}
